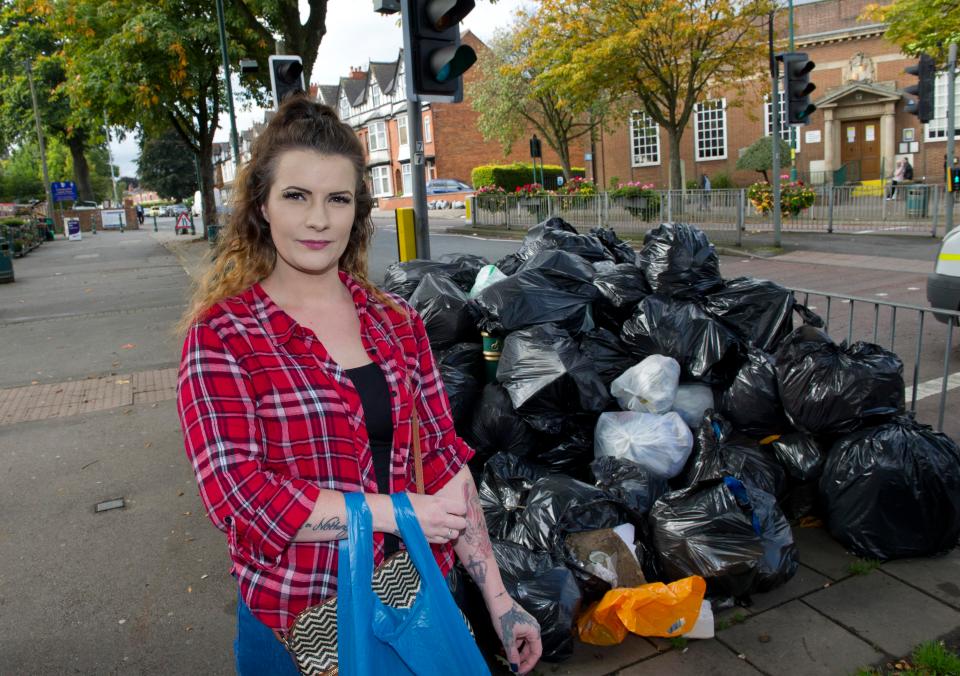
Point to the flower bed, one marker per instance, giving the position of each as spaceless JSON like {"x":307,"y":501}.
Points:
{"x":795,"y":196}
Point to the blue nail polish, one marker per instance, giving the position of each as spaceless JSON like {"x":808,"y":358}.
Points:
{"x":514,"y":667}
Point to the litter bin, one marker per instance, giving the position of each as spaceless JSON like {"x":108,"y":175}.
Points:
{"x":6,"y":261}
{"x":213,"y":232}
{"x":918,"y":197}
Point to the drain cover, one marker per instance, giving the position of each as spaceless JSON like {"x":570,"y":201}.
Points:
{"x":107,"y":505}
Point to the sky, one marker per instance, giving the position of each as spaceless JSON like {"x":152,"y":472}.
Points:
{"x":355,"y":35}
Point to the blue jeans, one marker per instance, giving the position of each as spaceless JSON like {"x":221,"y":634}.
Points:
{"x":256,"y":648}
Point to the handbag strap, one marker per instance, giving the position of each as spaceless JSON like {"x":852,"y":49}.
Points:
{"x":417,"y":453}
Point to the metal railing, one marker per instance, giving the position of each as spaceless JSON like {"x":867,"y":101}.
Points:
{"x":888,"y":324}
{"x":727,"y":214}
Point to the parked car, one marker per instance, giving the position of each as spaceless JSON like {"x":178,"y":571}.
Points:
{"x":85,"y":205}
{"x":155,"y":211}
{"x":439,"y":186}
{"x":943,"y":284}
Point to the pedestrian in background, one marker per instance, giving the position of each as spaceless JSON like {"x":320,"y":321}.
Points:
{"x":705,"y":194}
{"x":899,"y":175}
{"x":139,"y":214}
{"x":299,"y":382}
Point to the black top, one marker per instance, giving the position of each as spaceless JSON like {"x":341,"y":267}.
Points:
{"x":375,"y":396}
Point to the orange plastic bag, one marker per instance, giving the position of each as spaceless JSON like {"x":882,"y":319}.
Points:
{"x":655,"y":609}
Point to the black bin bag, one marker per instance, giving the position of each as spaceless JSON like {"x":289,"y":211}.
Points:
{"x":733,"y":536}
{"x":759,"y":311}
{"x":629,"y":485}
{"x":503,"y":490}
{"x":403,"y":277}
{"x":832,"y":389}
{"x":622,"y":251}
{"x":719,"y":451}
{"x":548,"y":378}
{"x":497,"y":427}
{"x":555,"y":287}
{"x":544,"y":588}
{"x":461,"y":370}
{"x":556,"y":233}
{"x":893,"y":490}
{"x":752,"y":401}
{"x":610,"y":355}
{"x":621,"y":289}
{"x":679,"y":261}
{"x":800,"y":455}
{"x":444,"y":308}
{"x":706,"y":349}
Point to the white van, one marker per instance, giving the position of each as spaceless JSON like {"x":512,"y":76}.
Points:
{"x":943,"y":285}
{"x":198,"y":202}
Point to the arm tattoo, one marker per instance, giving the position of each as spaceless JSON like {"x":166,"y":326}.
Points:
{"x":476,"y":532}
{"x":331,"y":524}
{"x":477,"y":569}
{"x":510,"y":619}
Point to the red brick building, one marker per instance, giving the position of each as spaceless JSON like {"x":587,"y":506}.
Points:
{"x":374,"y":102}
{"x":860,"y":127}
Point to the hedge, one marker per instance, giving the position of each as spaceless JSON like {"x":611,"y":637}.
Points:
{"x":512,"y":176}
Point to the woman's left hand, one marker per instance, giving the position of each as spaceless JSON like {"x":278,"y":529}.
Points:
{"x":518,"y":631}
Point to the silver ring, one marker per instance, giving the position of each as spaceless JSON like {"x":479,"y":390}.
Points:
{"x":453,"y":533}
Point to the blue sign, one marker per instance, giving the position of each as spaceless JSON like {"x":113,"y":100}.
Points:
{"x":64,"y":191}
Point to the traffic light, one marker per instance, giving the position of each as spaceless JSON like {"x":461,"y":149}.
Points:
{"x":922,"y":106}
{"x":286,"y":77}
{"x":797,"y":86}
{"x":953,"y":179}
{"x":437,"y":59}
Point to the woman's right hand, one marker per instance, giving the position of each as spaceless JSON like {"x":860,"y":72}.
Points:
{"x":442,"y":518}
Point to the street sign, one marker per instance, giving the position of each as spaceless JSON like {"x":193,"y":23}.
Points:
{"x":183,"y":223}
{"x":64,"y":191}
{"x":73,"y":229}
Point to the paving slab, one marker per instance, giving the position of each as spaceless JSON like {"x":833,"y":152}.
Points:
{"x":701,"y":658}
{"x":591,"y":660}
{"x":804,"y":582}
{"x":796,"y":640}
{"x":822,"y":553}
{"x":938,"y":576}
{"x":885,"y":611}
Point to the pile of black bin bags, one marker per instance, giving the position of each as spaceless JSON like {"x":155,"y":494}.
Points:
{"x":776,"y":420}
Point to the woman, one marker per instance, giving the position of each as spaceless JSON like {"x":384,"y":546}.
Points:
{"x":899,"y":176}
{"x":298,"y":383}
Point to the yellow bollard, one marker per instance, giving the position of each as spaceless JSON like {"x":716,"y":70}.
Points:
{"x":406,"y":234}
{"x":469,"y":213}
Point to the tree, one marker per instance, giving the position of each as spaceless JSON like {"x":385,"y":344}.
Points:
{"x":919,"y":25}
{"x":267,"y":18}
{"x":28,"y":33}
{"x":166,"y":166}
{"x":759,"y":156}
{"x":509,"y":101}
{"x":155,"y":66}
{"x":665,"y":55}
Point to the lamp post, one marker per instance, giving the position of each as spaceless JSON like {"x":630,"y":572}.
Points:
{"x":43,"y":150}
{"x":226,"y":76}
{"x":793,"y":129}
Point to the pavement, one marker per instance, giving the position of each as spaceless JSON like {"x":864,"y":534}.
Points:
{"x":87,"y":415}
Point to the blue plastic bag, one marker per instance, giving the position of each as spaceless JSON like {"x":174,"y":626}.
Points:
{"x":430,"y":637}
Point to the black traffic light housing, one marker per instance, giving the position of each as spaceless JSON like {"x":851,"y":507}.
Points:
{"x":797,"y":86}
{"x":286,"y":77}
{"x":922,"y":106}
{"x":437,"y":59}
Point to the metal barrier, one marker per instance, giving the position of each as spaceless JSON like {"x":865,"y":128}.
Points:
{"x":887,"y":328}
{"x":726,"y":214}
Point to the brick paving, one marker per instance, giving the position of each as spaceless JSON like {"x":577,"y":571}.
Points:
{"x":73,"y":397}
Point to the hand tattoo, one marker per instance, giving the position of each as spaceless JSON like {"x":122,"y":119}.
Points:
{"x":510,"y":619}
{"x":331,"y":524}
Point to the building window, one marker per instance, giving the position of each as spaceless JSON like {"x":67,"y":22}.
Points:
{"x":381,"y":181}
{"x":407,"y":184}
{"x":710,"y":123}
{"x":375,"y":94}
{"x":344,"y":108}
{"x":402,"y":137}
{"x":784,"y":127}
{"x":377,"y":139}
{"x":427,"y":134}
{"x":937,"y":127}
{"x":645,"y":135}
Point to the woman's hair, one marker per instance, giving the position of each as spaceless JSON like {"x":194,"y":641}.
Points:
{"x":245,"y":253}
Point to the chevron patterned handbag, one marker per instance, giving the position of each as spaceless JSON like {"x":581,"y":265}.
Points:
{"x":313,"y":637}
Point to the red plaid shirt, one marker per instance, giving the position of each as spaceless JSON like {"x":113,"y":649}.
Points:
{"x":269,"y":418}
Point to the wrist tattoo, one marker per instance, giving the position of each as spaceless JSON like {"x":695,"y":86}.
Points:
{"x":332,"y":524}
{"x":477,"y":569}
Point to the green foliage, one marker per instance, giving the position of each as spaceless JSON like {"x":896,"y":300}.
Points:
{"x":678,"y":642}
{"x":934,"y":659}
{"x":721,"y":181}
{"x":794,"y":198}
{"x":166,"y":165}
{"x":512,"y":176}
{"x":863,"y":566}
{"x":759,"y":156}
{"x":918,"y":25}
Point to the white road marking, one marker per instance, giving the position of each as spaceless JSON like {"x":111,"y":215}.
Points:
{"x":881,"y":295}
{"x":913,"y":288}
{"x":93,"y":255}
{"x":933,"y":387}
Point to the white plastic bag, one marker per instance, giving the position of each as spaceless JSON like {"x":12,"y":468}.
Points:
{"x":489,"y":274}
{"x":660,"y":444}
{"x":649,"y":386}
{"x":692,"y":401}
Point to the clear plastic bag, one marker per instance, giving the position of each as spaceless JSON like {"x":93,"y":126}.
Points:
{"x":649,"y":386}
{"x":660,"y":444}
{"x":692,"y":401}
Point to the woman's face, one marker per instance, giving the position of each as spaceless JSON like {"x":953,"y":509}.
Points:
{"x":310,"y":209}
